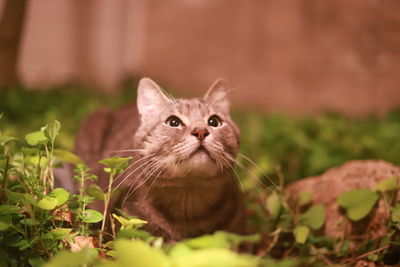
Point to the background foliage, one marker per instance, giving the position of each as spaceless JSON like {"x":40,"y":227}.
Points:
{"x":299,"y":146}
{"x":37,"y":221}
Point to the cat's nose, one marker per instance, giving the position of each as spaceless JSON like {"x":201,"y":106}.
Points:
{"x":200,"y":133}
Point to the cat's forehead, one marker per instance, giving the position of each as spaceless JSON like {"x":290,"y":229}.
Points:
{"x":192,"y":107}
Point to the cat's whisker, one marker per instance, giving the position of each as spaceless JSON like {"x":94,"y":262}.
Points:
{"x":219,"y":149}
{"x":156,"y":177}
{"x":248,"y":172}
{"x":181,"y":146}
{"x":156,"y":166}
{"x":151,"y":162}
{"x":137,"y":180}
{"x":260,"y":170}
{"x":125,"y":150}
{"x":170,"y":96}
{"x":225,"y":92}
{"x":132,"y":172}
{"x":127,"y":176}
{"x":215,"y":150}
{"x":184,"y":151}
{"x":131,"y":165}
{"x":233,"y":168}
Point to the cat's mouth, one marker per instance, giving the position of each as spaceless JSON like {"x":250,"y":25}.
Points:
{"x":200,"y":149}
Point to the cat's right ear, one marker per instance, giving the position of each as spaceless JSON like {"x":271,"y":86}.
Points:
{"x":150,"y":98}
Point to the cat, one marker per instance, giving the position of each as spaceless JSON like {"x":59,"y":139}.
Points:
{"x":181,"y":176}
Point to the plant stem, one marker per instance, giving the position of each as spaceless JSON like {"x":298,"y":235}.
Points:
{"x":82,"y":202}
{"x":107,"y":197}
{"x":373,"y":252}
{"x":49,"y":171}
{"x":386,"y":204}
{"x":51,"y":167}
{"x":39,"y":170}
{"x":5,"y":175}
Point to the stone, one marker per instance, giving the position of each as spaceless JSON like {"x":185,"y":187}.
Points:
{"x":326,"y":187}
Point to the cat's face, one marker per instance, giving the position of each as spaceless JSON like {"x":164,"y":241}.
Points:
{"x":186,"y":137}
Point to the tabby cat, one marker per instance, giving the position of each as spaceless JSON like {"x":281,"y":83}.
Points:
{"x":181,"y":177}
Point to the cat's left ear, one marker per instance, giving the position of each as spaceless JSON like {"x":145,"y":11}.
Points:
{"x":217,"y":95}
{"x":150,"y":98}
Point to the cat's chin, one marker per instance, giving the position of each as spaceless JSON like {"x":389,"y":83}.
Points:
{"x":198,"y":164}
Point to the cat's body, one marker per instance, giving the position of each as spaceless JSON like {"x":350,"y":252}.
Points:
{"x":183,"y":151}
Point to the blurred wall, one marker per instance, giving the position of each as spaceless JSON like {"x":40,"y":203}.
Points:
{"x":296,"y":56}
{"x":96,"y":42}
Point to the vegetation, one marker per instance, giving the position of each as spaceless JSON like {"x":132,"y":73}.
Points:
{"x":45,"y":226}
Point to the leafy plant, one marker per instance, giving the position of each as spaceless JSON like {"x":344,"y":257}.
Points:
{"x":40,"y":223}
{"x":115,"y":165}
{"x":358,"y":203}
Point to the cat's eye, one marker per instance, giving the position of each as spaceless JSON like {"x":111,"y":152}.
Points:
{"x":214,"y":121}
{"x":174,"y":121}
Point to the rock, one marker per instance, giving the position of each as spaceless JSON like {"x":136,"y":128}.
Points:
{"x":326,"y":187}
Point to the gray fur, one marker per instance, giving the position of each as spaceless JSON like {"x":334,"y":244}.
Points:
{"x":180,"y":189}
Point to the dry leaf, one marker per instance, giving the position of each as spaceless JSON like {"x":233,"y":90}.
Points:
{"x":79,"y":242}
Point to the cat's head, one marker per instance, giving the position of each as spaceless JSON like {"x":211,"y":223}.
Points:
{"x":186,"y":136}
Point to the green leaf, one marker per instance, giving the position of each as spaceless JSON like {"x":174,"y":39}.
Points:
{"x":5,"y":222}
{"x":36,"y":261}
{"x":4,"y":226}
{"x":61,"y":195}
{"x":217,"y":240}
{"x":9,"y":209}
{"x":220,"y":239}
{"x":179,"y":250}
{"x":373,"y":257}
{"x":214,"y":257}
{"x":387,"y":185}
{"x":358,"y":203}
{"x":133,"y":233}
{"x":4,"y":139}
{"x":30,"y":151}
{"x":128,"y":223}
{"x":273,"y":205}
{"x":304,"y":198}
{"x":314,"y":217}
{"x":29,"y":221}
{"x":25,"y":198}
{"x":301,"y":233}
{"x":36,"y":138}
{"x":111,"y":253}
{"x":95,"y":191}
{"x":48,"y":203}
{"x":282,"y":262}
{"x":60,"y":233}
{"x":91,"y":216}
{"x":115,"y":162}
{"x":52,"y":129}
{"x":22,"y":245}
{"x":396,"y":213}
{"x":67,"y":156}
{"x":235,"y":239}
{"x":137,"y":253}
{"x":73,"y":259}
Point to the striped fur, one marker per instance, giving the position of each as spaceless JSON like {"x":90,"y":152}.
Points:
{"x":181,"y":190}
